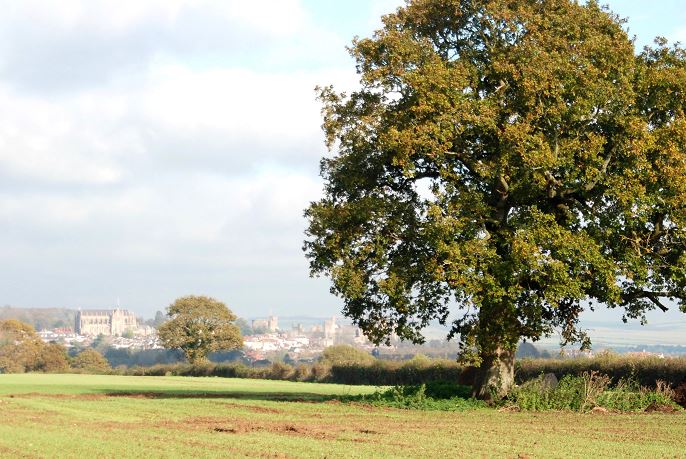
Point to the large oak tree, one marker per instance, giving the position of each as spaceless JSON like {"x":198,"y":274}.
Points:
{"x":199,"y":325}
{"x":503,"y":165}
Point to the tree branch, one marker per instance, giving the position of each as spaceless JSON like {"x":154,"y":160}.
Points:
{"x":652,"y":296}
{"x":466,"y":162}
{"x":603,"y":171}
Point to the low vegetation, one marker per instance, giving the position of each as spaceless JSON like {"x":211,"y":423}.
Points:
{"x":591,"y":391}
{"x":90,"y":361}
{"x":73,"y":415}
{"x":343,"y":354}
{"x":434,"y":396}
{"x":646,"y":370}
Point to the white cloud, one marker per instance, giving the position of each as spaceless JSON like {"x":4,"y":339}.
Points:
{"x":56,"y":142}
{"x":230,"y":120}
{"x":116,"y":17}
{"x":53,"y":46}
{"x":158,"y":148}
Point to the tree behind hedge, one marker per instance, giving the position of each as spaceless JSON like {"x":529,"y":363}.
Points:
{"x":90,"y":361}
{"x":343,"y":354}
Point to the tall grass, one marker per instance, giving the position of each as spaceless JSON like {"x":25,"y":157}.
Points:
{"x":645,"y":370}
{"x":590,"y":390}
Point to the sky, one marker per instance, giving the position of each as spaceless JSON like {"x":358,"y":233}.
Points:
{"x":154,"y":149}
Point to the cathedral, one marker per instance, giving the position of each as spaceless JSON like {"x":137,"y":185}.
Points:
{"x":110,"y":322}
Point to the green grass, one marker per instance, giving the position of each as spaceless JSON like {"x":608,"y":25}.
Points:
{"x":168,"y":386}
{"x":119,"y":416}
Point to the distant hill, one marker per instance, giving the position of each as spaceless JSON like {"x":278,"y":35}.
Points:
{"x":40,"y":318}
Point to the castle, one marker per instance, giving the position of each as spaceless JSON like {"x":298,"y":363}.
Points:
{"x":109,"y":322}
{"x":271,"y":324}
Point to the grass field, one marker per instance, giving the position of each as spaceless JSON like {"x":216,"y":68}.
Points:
{"x":119,"y":416}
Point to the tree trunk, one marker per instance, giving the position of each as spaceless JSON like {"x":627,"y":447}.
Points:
{"x":495,"y":377}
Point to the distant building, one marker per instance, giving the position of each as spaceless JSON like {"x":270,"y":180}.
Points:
{"x":260,"y":324}
{"x":110,"y":322}
{"x":271,"y":324}
{"x":330,"y":328}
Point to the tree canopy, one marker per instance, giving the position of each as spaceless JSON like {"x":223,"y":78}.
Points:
{"x":504,"y":164}
{"x":90,"y":361}
{"x":199,"y":325}
{"x":21,"y":349}
{"x":344,"y":354}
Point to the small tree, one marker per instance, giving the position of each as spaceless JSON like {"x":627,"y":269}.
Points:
{"x":20,"y":347}
{"x":344,"y":354}
{"x":53,"y":358}
{"x":90,"y":361}
{"x":199,"y":325}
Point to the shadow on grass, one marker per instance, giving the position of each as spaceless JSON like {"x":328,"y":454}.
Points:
{"x":434,"y":395}
{"x":241,"y":395}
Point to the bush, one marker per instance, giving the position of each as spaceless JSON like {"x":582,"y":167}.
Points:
{"x":20,"y":347}
{"x":576,"y":393}
{"x":280,"y":371}
{"x":53,"y":358}
{"x":628,"y":395}
{"x":380,"y":373}
{"x":320,"y":372}
{"x":302,"y":373}
{"x":90,"y":361}
{"x":343,"y":354}
{"x":389,"y":373}
{"x":436,"y":396}
{"x":645,"y":370}
{"x":591,"y":389}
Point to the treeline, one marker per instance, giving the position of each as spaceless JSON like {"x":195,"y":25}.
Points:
{"x":644,"y":370}
{"x":40,"y":318}
{"x":381,"y":373}
{"x":22,"y":350}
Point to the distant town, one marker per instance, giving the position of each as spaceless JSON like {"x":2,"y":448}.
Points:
{"x":119,"y":332}
{"x":262,"y":338}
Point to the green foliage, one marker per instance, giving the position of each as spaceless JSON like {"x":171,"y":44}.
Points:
{"x":90,"y":361}
{"x":22,"y":350}
{"x":20,"y":347}
{"x":589,"y":390}
{"x":388,"y":373}
{"x":199,"y":325}
{"x":53,"y":358}
{"x":381,"y":373}
{"x":434,"y":396}
{"x":646,"y":370}
{"x":343,"y":354}
{"x":629,"y":395}
{"x":513,"y":157}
